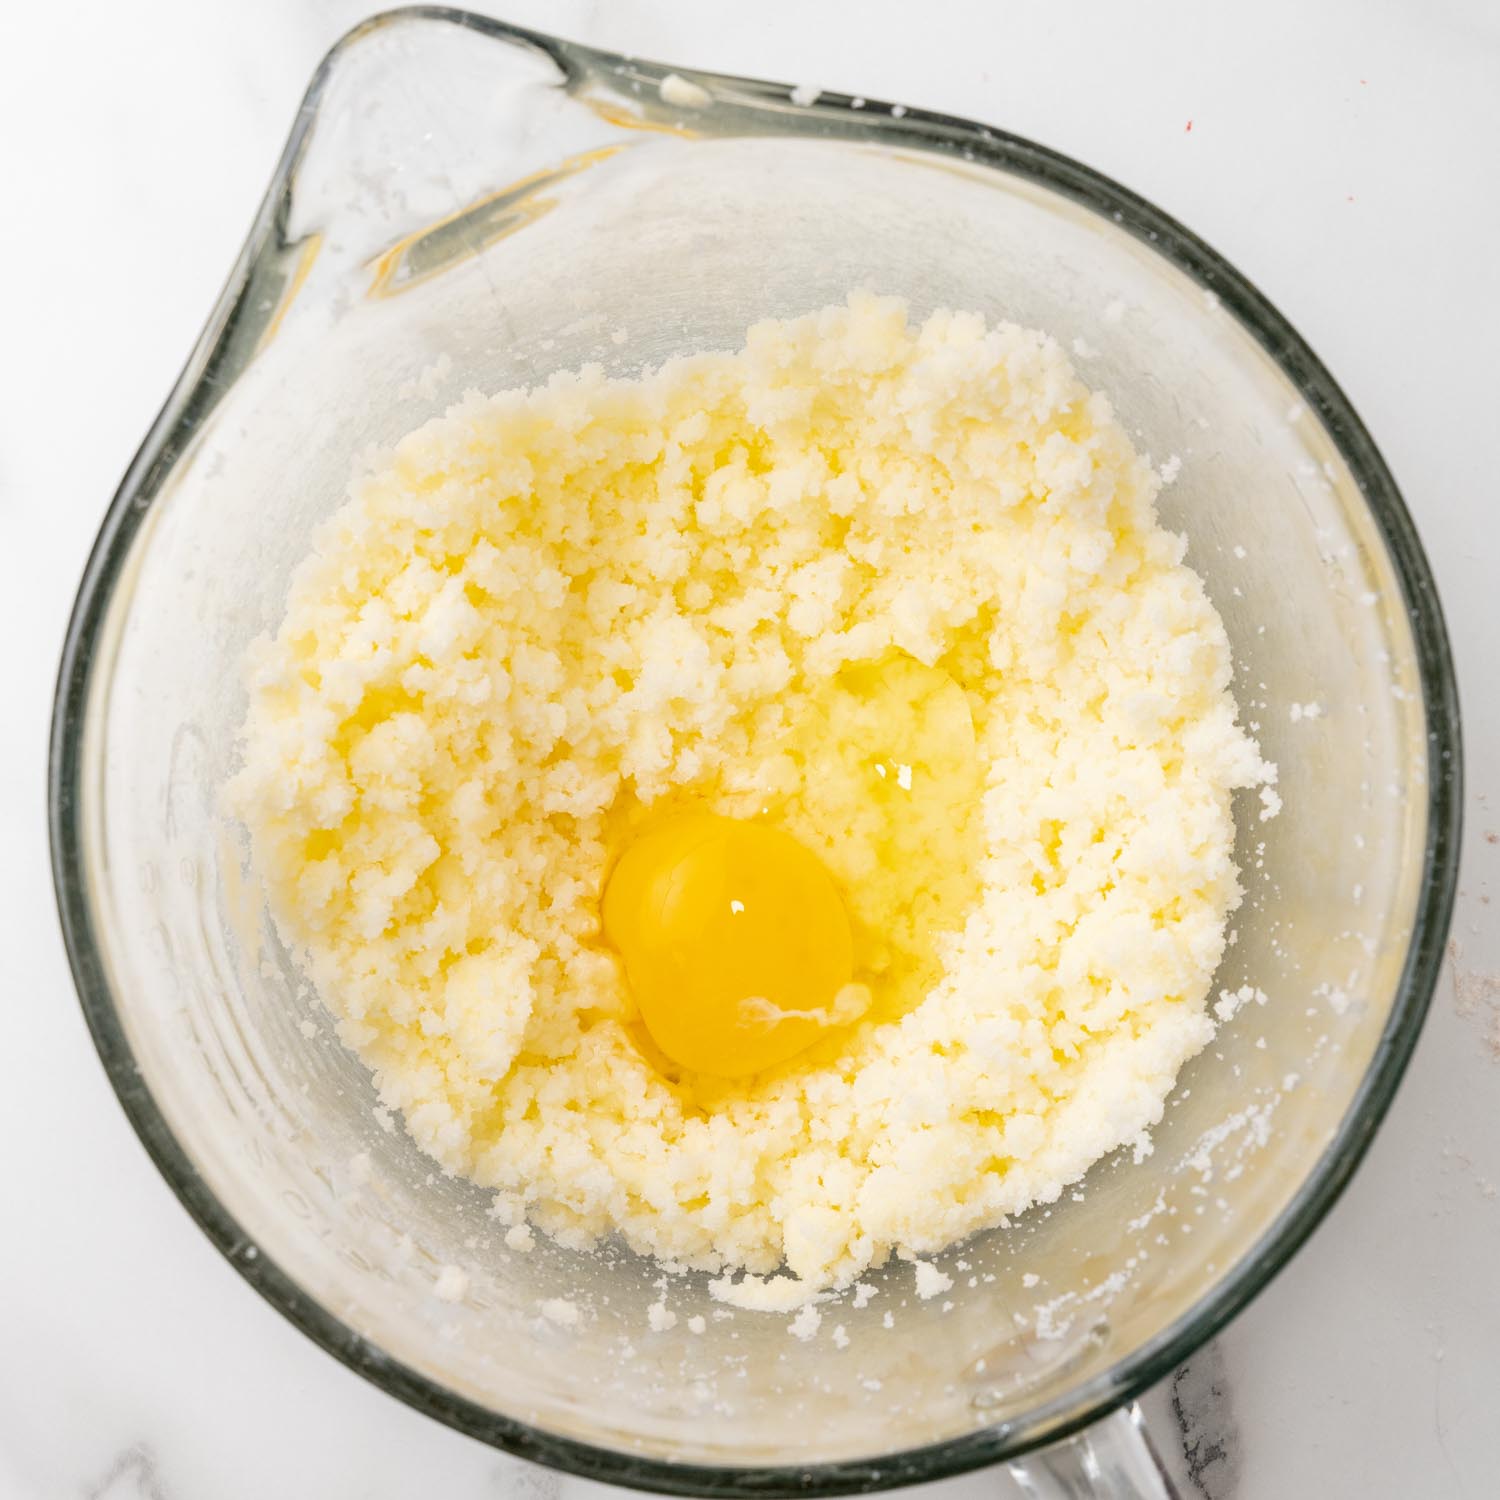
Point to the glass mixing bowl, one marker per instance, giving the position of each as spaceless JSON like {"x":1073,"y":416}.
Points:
{"x":463,"y":204}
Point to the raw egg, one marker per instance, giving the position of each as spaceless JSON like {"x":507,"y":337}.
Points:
{"x":745,"y":940}
{"x":736,"y":944}
{"x":889,"y":791}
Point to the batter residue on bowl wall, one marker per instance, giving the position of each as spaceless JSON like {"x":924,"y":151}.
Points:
{"x":899,"y":592}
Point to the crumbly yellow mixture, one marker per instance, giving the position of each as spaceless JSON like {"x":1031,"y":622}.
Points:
{"x":550,"y":610}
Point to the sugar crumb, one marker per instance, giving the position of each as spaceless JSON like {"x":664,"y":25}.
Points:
{"x":682,"y":93}
{"x":560,"y":1311}
{"x":451,"y":1284}
{"x":806,"y":1323}
{"x":930,"y":1280}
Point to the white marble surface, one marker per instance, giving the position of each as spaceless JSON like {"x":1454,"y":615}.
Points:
{"x":1341,"y":153}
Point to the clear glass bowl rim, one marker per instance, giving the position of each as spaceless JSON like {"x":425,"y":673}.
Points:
{"x":912,"y":129}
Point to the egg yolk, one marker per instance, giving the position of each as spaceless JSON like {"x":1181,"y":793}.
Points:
{"x":736,"y":944}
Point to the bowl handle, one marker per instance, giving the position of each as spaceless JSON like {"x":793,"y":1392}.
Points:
{"x":1112,"y":1460}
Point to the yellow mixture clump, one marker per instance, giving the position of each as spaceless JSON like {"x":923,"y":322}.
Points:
{"x":896,"y":592}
